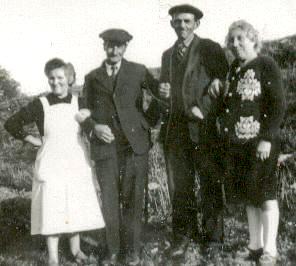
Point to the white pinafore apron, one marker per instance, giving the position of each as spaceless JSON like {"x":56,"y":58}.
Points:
{"x":64,"y":198}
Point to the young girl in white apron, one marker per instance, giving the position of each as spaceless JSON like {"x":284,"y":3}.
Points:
{"x":64,"y":199}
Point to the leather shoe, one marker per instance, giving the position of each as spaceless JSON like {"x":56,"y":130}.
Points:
{"x":111,"y":260}
{"x":247,"y":254}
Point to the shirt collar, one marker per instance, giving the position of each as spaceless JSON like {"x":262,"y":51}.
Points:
{"x":53,"y":99}
{"x":188,"y":41}
{"x":109,"y":68}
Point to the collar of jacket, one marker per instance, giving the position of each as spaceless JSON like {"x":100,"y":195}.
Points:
{"x":193,"y":56}
{"x":103,"y":78}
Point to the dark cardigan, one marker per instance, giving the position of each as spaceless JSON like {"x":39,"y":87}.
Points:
{"x":254,"y":105}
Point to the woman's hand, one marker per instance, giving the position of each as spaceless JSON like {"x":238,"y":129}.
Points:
{"x":263,"y":150}
{"x":36,"y":142}
{"x":82,"y":115}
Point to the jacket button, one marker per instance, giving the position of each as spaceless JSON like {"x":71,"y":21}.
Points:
{"x":133,"y":129}
{"x":229,"y":94}
{"x":227,"y":110}
{"x":226,"y":129}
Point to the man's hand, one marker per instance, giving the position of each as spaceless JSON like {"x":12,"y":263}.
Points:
{"x":36,"y":142}
{"x":104,"y":133}
{"x":215,"y":88}
{"x":263,"y":150}
{"x":196,"y":112}
{"x":164,"y":90}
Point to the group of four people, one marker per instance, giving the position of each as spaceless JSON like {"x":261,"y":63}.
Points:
{"x":217,"y":121}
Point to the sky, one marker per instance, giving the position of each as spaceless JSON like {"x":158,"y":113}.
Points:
{"x":34,"y":31}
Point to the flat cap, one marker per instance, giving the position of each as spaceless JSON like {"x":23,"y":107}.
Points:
{"x":186,"y":9}
{"x":116,"y":35}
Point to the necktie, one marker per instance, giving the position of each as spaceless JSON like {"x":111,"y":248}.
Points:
{"x":113,"y":72}
{"x":181,"y":51}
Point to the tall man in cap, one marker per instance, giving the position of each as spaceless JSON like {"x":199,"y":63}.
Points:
{"x":189,"y":68}
{"x":120,"y":142}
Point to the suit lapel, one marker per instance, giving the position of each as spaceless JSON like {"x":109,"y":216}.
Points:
{"x":193,"y":59}
{"x":103,"y":79}
{"x":122,"y":77}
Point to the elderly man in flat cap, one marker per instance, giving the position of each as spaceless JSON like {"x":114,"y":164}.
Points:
{"x":189,"y":68}
{"x":120,"y":142}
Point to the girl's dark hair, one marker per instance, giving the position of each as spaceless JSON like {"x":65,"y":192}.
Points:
{"x":53,"y":64}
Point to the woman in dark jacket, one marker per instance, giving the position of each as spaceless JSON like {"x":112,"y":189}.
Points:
{"x":253,"y":109}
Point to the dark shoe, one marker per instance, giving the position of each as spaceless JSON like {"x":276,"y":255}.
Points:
{"x":81,"y":259}
{"x":267,"y":260}
{"x":111,"y":260}
{"x":133,"y":259}
{"x":248,"y":254}
{"x":180,"y":248}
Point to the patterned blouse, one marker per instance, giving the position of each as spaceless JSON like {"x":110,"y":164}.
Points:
{"x":254,"y":105}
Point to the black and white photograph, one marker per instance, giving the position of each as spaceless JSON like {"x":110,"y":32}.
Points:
{"x":148,"y":132}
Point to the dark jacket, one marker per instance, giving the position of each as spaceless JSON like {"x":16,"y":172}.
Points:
{"x":122,"y":103}
{"x":206,"y":61}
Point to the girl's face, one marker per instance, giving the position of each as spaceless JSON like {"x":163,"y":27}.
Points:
{"x":58,"y":82}
{"x":241,"y":46}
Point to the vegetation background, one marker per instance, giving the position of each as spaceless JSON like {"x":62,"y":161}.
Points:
{"x":17,"y":247}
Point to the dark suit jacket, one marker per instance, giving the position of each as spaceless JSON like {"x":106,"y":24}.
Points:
{"x":206,"y":61}
{"x":125,"y":101}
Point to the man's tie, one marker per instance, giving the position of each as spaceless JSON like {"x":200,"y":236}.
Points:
{"x":181,"y":50}
{"x":113,"y":72}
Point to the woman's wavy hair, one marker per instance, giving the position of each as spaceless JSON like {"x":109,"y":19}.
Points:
{"x":59,"y":63}
{"x":250,"y":31}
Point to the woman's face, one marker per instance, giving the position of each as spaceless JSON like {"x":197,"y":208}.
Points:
{"x":58,"y":82}
{"x":241,"y":46}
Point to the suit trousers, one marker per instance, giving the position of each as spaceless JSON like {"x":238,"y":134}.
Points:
{"x":122,"y":182}
{"x":183,"y":162}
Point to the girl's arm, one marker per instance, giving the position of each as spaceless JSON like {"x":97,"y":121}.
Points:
{"x":32,"y":113}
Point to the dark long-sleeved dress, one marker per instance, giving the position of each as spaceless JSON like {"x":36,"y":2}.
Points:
{"x":253,"y":110}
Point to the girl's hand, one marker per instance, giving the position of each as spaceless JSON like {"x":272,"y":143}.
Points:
{"x":82,"y":115}
{"x":36,"y":142}
{"x":263,"y":150}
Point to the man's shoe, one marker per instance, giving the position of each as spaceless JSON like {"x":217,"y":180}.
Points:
{"x":267,"y":259}
{"x":111,"y":260}
{"x":133,"y":259}
{"x":248,"y":254}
